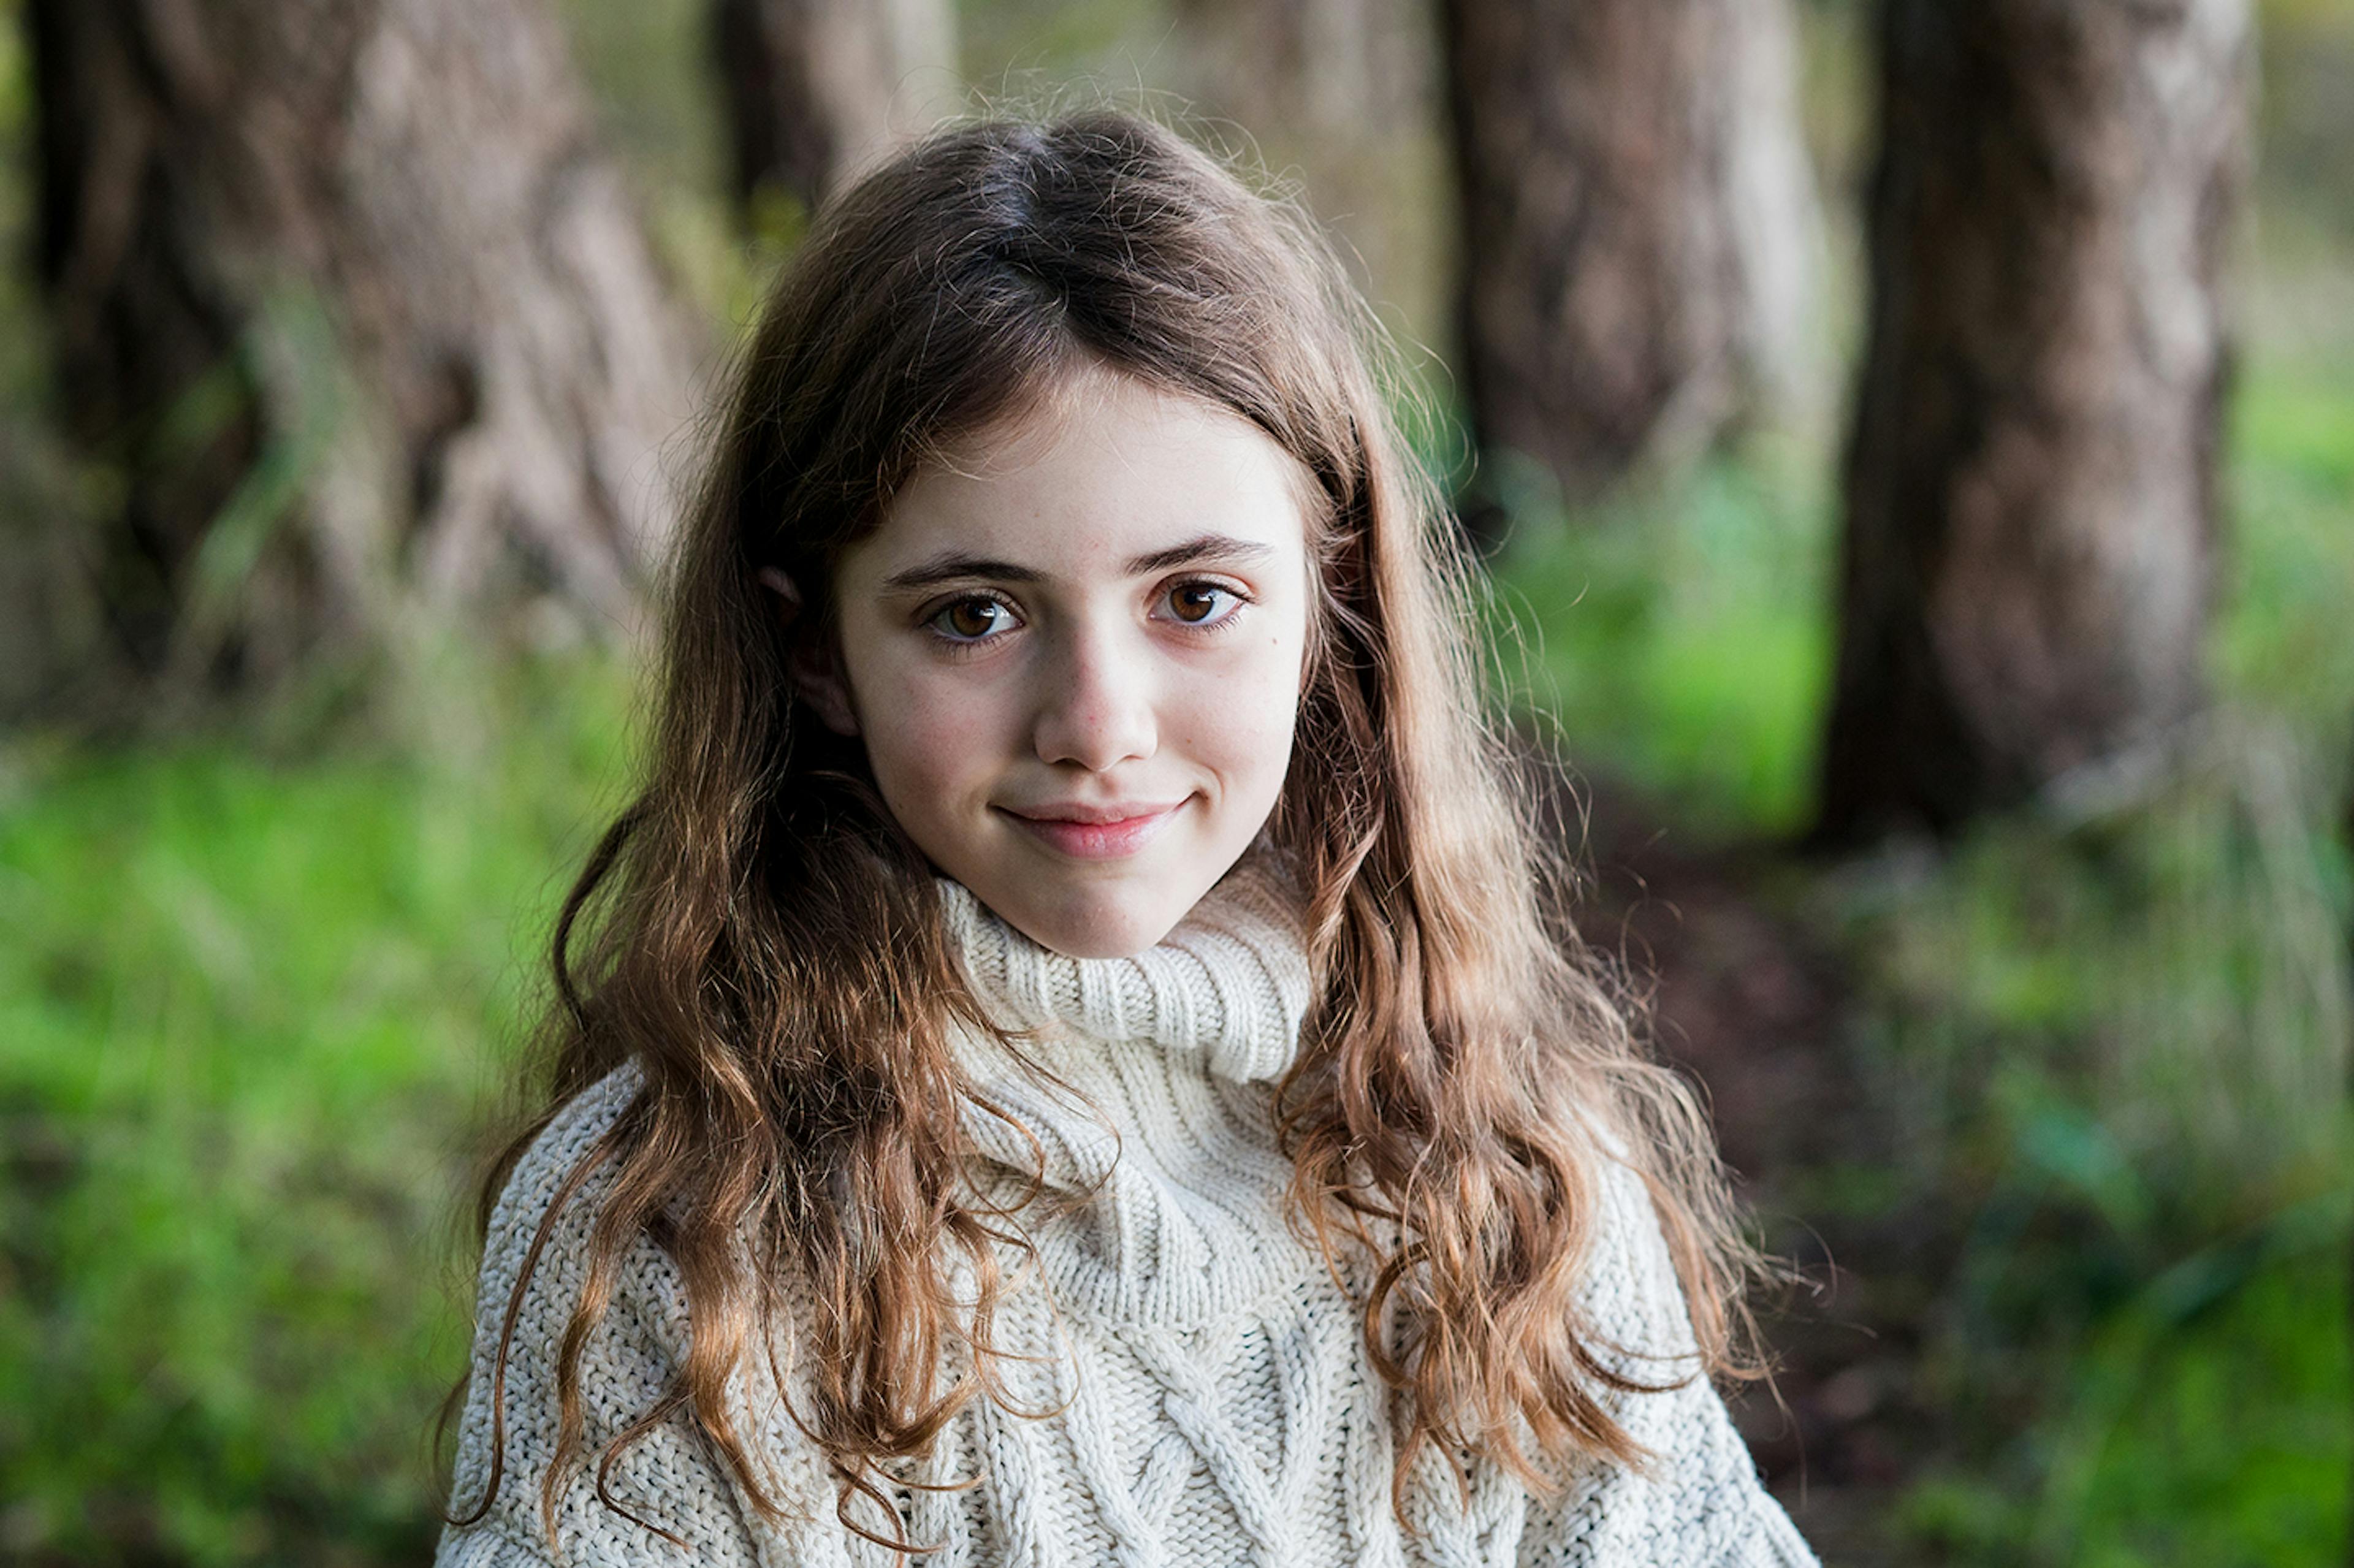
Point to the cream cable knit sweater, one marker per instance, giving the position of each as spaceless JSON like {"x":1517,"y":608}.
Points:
{"x":1217,"y":1406}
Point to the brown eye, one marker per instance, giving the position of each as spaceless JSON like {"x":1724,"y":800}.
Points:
{"x":1195,"y":603}
{"x":970,"y":619}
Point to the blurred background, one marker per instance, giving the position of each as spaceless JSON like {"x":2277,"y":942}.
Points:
{"x":1911,"y":445}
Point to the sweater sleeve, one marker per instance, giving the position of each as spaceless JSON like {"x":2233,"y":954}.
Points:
{"x":1698,"y":1502}
{"x":666,"y":1478}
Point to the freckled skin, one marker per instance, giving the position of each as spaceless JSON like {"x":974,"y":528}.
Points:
{"x":1077,"y":678}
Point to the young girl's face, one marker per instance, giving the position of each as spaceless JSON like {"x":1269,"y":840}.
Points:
{"x":1074,"y":657}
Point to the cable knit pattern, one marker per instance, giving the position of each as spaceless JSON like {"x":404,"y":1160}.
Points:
{"x":1210,"y":1400}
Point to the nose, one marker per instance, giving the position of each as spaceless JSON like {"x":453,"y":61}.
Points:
{"x":1095,"y":704}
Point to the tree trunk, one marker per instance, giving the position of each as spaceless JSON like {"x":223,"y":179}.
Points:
{"x":2031,"y":475}
{"x":811,"y":86}
{"x":345,"y":291}
{"x":1640,"y":232}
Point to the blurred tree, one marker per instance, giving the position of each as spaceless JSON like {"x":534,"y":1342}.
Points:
{"x":346,"y":293}
{"x":2031,"y":475}
{"x":1343,"y":96}
{"x":1641,"y":230}
{"x":810,"y":84}
{"x":1344,"y":67}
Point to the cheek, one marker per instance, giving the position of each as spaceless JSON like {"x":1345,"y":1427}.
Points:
{"x":933,"y":742}
{"x":1239,"y":724}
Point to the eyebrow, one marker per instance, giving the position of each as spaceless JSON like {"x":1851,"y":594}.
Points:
{"x":955,"y":564}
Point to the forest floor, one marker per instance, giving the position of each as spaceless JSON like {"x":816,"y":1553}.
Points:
{"x":1753,"y":1005}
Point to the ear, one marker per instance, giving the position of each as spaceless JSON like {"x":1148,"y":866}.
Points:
{"x":814,"y":670}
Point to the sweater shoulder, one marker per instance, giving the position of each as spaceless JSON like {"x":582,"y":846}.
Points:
{"x":535,"y":1250}
{"x":557,"y":1151}
{"x":1696,"y":1496}
{"x":1630,"y":1291}
{"x":535,"y":1264}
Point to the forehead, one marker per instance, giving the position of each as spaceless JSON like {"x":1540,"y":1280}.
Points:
{"x":1102,"y":471}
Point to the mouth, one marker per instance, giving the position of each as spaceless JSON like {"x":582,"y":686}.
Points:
{"x":1095,"y":832}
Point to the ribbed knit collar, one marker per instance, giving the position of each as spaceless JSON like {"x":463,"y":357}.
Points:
{"x":1230,"y":982}
{"x":1159,"y":1126}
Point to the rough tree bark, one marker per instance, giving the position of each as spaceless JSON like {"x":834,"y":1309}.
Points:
{"x":348,"y":293}
{"x":1640,"y":229}
{"x":810,"y":84}
{"x":2030,"y":483}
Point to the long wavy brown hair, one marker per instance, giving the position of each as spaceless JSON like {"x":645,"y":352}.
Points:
{"x":758,"y":934}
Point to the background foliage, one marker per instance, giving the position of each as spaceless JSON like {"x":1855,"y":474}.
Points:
{"x":259,"y":989}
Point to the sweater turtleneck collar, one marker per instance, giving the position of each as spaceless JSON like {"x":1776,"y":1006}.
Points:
{"x":1229,"y":984}
{"x":1158,"y":1124}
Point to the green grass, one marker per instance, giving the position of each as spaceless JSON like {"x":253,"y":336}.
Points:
{"x":251,"y":1010}
{"x":2289,"y":575}
{"x":1678,"y":636}
{"x":253,"y":1007}
{"x":2220,"y":1440}
{"x":2109,"y":1036}
{"x":2116,"y":1051}
{"x":251,"y":1014}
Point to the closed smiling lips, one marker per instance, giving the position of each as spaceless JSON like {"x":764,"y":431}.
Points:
{"x":1090,"y":831}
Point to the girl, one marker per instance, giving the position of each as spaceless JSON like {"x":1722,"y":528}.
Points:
{"x":1069,"y":1064}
